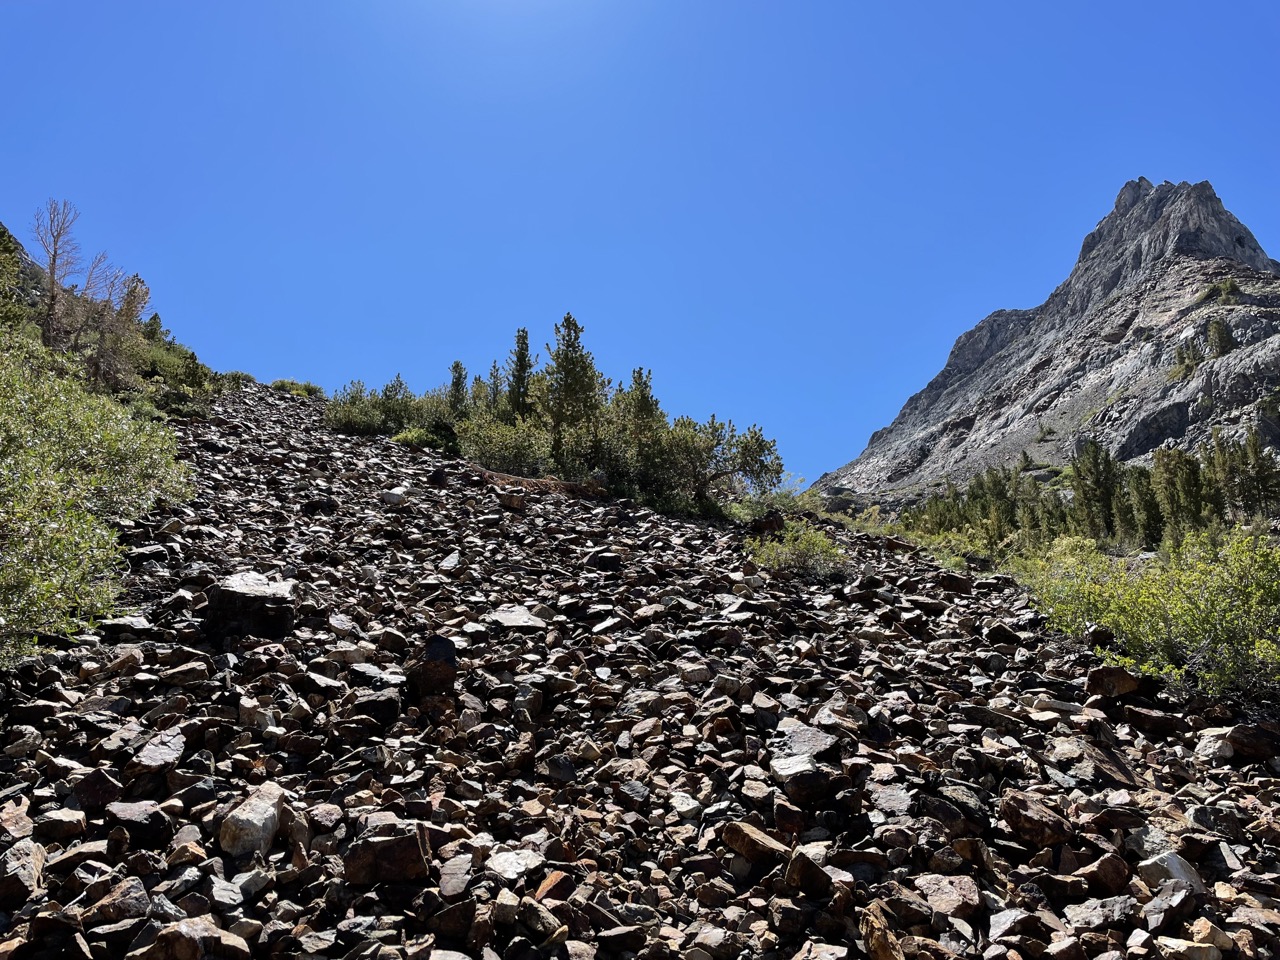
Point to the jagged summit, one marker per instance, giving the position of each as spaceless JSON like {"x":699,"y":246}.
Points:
{"x":1100,"y":356}
{"x":1149,"y":224}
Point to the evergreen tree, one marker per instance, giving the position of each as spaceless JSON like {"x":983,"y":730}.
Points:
{"x":1175,"y":475}
{"x":575,"y":392}
{"x":1260,"y":475}
{"x":1221,"y":342}
{"x":11,"y":310}
{"x":495,"y":388}
{"x":519,"y":375}
{"x":1148,"y":520}
{"x":1094,"y":474}
{"x":153,"y":330}
{"x":458,"y":389}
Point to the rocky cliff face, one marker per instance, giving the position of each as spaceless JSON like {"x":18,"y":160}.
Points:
{"x":1101,"y":356}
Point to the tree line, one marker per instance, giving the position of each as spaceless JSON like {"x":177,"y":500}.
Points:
{"x":1131,"y":506}
{"x":565,"y":418}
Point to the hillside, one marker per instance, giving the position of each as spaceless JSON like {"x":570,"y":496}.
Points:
{"x":1106,"y":356}
{"x":374,"y":706}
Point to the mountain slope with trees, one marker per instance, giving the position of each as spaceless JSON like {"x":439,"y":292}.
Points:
{"x":1167,"y":329}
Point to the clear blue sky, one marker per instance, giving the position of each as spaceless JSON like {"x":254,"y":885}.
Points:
{"x":787,"y":210}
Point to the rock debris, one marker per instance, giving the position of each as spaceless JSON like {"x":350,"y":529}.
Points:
{"x":372,"y":706}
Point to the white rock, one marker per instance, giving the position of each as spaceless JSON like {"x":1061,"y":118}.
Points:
{"x":252,"y":825}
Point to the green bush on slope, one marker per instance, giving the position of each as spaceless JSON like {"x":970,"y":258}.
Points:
{"x":801,"y":550}
{"x":70,"y":463}
{"x":1204,"y":613}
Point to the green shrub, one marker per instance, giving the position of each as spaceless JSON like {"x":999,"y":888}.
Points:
{"x":1203,"y":614}
{"x":789,"y":498}
{"x":183,"y":404}
{"x":422,"y":438}
{"x":1224,"y":291}
{"x":234,"y":380}
{"x":356,"y":410}
{"x":801,"y":551}
{"x":294,"y":388}
{"x":70,"y":462}
{"x":519,"y":448}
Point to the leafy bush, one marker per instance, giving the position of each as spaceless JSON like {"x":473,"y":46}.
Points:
{"x":70,"y":462}
{"x":1202,"y":614}
{"x":234,"y":380}
{"x":789,"y":498}
{"x":358,"y":411}
{"x":421,"y":438}
{"x":519,"y":448}
{"x":293,"y":387}
{"x":801,"y":551}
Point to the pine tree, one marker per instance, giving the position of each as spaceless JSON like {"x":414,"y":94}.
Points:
{"x":1094,"y":476}
{"x":11,"y":311}
{"x":519,"y":375}
{"x":1260,"y":474}
{"x":576,"y":391}
{"x":495,"y":387}
{"x":1148,"y":520}
{"x":1221,"y":342}
{"x":457,"y":396}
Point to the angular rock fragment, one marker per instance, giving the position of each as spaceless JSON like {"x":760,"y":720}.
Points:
{"x":252,"y":825}
{"x":250,"y":603}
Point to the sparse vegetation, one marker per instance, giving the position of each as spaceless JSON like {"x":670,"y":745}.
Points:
{"x":568,"y":420}
{"x":234,"y":380}
{"x":1221,"y":340}
{"x":1186,"y":357}
{"x":1226,"y":292}
{"x":296,"y":389}
{"x":800,"y":550}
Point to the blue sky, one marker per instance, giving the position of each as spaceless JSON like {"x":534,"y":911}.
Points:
{"x":787,"y":211}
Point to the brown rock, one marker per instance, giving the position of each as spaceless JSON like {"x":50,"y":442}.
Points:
{"x":434,"y":672}
{"x":1110,"y":681}
{"x":877,"y":933}
{"x":400,"y":855}
{"x":754,"y":844}
{"x":1032,"y":821}
{"x":197,"y":938}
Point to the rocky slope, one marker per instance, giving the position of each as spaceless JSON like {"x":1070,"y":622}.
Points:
{"x":373,"y":707}
{"x":1099,"y":357}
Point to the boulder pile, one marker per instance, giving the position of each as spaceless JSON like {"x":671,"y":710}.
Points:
{"x":371,"y":705}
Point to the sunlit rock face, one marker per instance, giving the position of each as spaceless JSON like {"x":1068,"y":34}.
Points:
{"x":1100,"y":357}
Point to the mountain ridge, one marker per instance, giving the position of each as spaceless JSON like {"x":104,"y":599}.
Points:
{"x":1107,"y":335}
